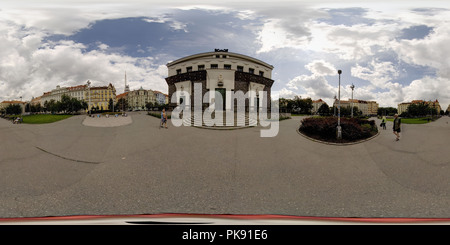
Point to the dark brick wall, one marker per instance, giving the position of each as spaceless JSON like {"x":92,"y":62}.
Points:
{"x":247,"y":77}
{"x":193,"y":76}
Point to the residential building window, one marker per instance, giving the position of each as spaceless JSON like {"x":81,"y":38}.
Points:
{"x":201,"y":67}
{"x":178,"y":71}
{"x":240,"y":68}
{"x":251,"y":70}
{"x":261,"y":73}
{"x":217,"y":56}
{"x":214,"y":66}
{"x":189,"y":69}
{"x":227,"y":67}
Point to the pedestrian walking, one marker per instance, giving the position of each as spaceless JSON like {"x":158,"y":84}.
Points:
{"x":163,"y":118}
{"x":396,"y":127}
{"x":383,"y":122}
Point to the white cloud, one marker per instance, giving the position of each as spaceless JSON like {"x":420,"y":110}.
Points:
{"x":272,"y":37}
{"x":32,"y":66}
{"x":321,"y":67}
{"x":314,"y":86}
{"x":432,"y":51}
{"x":285,"y":93}
{"x":103,"y":46}
{"x":287,"y":25}
{"x":378,"y":73}
{"x":351,"y":42}
{"x":428,"y":88}
{"x":173,"y":23}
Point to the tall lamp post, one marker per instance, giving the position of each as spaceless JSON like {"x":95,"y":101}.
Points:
{"x":352,"y":87}
{"x":338,"y":128}
{"x":89,"y":87}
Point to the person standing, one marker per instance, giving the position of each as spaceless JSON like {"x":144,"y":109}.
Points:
{"x":396,"y":127}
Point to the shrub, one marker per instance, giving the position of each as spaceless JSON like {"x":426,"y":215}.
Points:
{"x":324,"y":128}
{"x":157,"y":114}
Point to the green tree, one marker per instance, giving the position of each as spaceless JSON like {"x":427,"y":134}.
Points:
{"x":301,"y":106}
{"x":111,"y":105}
{"x":13,"y":109}
{"x":35,"y":107}
{"x":75,"y":105}
{"x":386,"y":111}
{"x":418,"y":109}
{"x":84,"y":105}
{"x":52,"y":106}
{"x":28,"y":107}
{"x":149,"y":105}
{"x":45,"y":106}
{"x":324,"y":110}
{"x":122,"y":104}
{"x":65,"y":104}
{"x":347,"y":112}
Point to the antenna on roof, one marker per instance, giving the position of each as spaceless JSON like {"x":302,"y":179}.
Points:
{"x":127,"y":88}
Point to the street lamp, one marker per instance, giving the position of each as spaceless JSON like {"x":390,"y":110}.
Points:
{"x":22,"y":106}
{"x":338,"y":128}
{"x":352,"y":87}
{"x":89,"y":87}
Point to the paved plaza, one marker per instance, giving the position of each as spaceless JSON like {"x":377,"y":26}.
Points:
{"x":72,"y":167}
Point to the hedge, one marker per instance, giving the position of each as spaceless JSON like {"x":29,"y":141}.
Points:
{"x":324,"y":128}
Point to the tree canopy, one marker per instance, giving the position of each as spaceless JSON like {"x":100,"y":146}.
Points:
{"x":296,"y":105}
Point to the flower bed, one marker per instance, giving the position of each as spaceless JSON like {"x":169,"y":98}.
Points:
{"x":324,"y":129}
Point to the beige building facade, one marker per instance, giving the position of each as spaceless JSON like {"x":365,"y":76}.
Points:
{"x":94,"y":96}
{"x":316,"y":105}
{"x":403,"y":107}
{"x":366,"y":107}
{"x":7,"y":103}
{"x":137,"y":99}
{"x":372,"y":107}
{"x":78,"y":92}
{"x":98,"y":97}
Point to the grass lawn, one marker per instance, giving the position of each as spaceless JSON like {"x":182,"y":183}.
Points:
{"x":421,"y":120}
{"x":44,"y":118}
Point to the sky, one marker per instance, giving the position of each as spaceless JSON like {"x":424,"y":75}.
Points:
{"x":391,"y":51}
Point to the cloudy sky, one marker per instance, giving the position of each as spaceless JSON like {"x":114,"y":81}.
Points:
{"x":392,"y":51}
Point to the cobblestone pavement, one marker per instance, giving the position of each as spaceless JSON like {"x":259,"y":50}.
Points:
{"x":68,"y":168}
